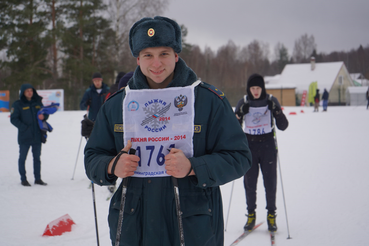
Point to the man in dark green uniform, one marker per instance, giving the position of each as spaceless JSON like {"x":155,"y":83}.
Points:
{"x":181,"y":128}
{"x":24,"y":117}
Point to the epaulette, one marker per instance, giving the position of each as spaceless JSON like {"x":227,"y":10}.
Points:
{"x":114,"y":94}
{"x":213,"y":89}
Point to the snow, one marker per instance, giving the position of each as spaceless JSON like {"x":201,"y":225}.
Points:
{"x":324,"y":163}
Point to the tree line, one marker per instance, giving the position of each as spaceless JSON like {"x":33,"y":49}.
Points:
{"x":230,"y":66}
{"x":59,"y":44}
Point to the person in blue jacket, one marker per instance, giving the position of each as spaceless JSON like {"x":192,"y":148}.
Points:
{"x":24,"y":117}
{"x":325,"y":97}
{"x":256,"y":112}
{"x":94,"y":96}
{"x":183,"y":130}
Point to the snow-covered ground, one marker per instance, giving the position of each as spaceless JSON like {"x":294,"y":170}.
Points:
{"x":324,"y":163}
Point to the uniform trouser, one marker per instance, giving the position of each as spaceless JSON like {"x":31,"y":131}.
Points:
{"x":36,"y":152}
{"x":264,"y":155}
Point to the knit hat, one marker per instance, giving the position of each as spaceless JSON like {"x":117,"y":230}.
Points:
{"x":155,"y":32}
{"x":124,"y":80}
{"x":256,"y":80}
{"x":96,"y":75}
{"x":119,"y":76}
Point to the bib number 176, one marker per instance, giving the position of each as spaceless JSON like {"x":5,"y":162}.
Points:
{"x":156,"y":156}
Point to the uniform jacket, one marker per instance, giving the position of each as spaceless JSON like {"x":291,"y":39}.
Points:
{"x":221,"y":154}
{"x":97,"y":99}
{"x":24,"y":117}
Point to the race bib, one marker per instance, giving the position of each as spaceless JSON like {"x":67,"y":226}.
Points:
{"x":156,"y":121}
{"x":257,"y":121}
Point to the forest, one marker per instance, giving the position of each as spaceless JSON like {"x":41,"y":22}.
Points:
{"x":59,"y":44}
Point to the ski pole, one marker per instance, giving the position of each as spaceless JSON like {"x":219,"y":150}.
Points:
{"x":229,"y":206}
{"x":178,"y":209}
{"x":122,"y":202}
{"x":75,"y":165}
{"x":94,"y":203}
{"x":280,"y":174}
{"x":179,"y":212}
{"x":284,"y":199}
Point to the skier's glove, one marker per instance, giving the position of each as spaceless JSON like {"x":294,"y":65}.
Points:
{"x":244,"y":109}
{"x":274,"y":108}
{"x":87,"y":126}
{"x":88,"y":102}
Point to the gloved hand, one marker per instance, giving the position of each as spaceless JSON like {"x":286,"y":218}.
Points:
{"x":274,"y":108}
{"x":88,"y":102}
{"x":244,"y":109}
{"x":87,"y":126}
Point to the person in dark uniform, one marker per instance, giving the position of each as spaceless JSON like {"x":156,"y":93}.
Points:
{"x":255,"y":112}
{"x":183,"y":130}
{"x":24,"y":117}
{"x":94,"y":96}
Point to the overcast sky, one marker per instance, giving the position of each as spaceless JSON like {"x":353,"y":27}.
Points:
{"x":337,"y":25}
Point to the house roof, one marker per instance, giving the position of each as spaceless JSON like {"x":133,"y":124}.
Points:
{"x":357,"y":90}
{"x":272,"y":82}
{"x":359,"y":79}
{"x":301,"y":75}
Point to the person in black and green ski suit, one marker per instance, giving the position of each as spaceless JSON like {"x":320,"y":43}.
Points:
{"x":180,"y":127}
{"x":255,"y":112}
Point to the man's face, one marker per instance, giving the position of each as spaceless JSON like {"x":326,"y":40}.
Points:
{"x":255,"y":91}
{"x":28,"y":93}
{"x":157,"y":64}
{"x":97,"y":82}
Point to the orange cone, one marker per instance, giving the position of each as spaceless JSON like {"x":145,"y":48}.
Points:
{"x":59,"y":226}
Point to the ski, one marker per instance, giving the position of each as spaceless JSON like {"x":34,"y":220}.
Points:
{"x":272,"y":238}
{"x":245,"y":234}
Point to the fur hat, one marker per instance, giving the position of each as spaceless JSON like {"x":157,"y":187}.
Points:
{"x":155,"y":32}
{"x":96,"y":75}
{"x":256,"y":80}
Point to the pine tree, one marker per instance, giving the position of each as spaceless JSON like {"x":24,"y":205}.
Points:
{"x":81,"y":39}
{"x":22,"y":36}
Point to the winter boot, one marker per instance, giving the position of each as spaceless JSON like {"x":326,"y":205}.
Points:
{"x":272,"y":225}
{"x":250,"y":221}
{"x":40,"y":182}
{"x":25,"y":183}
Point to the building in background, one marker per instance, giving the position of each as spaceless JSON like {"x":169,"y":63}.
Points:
{"x":332,"y":76}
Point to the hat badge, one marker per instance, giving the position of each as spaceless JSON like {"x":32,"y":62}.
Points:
{"x":151,"y":32}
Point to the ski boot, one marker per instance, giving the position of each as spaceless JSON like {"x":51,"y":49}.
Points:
{"x":272,"y":226}
{"x":250,"y":221}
